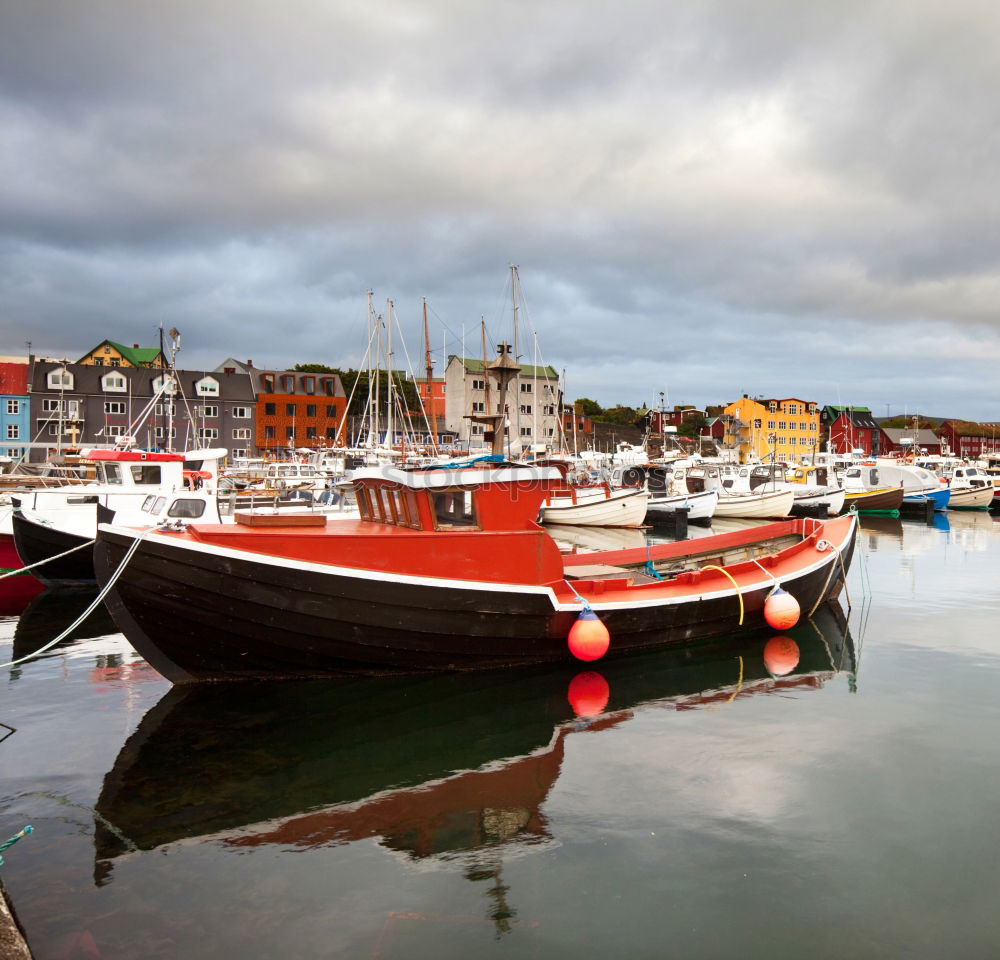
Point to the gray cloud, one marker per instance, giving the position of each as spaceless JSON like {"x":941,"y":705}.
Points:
{"x":704,"y":198}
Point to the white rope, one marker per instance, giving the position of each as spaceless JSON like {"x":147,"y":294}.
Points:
{"x":65,"y":553}
{"x":86,"y":613}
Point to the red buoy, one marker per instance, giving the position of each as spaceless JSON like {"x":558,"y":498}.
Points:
{"x":588,"y":694}
{"x":781,"y":656}
{"x":781,"y":610}
{"x":588,"y":638}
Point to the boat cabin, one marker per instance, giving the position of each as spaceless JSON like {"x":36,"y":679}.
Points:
{"x":456,"y":500}
{"x":811,"y":476}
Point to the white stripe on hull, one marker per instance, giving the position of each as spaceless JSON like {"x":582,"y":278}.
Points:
{"x":978,"y":497}
{"x":701,"y":506}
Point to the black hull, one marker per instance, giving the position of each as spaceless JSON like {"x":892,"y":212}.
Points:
{"x":195,"y":616}
{"x":36,"y":542}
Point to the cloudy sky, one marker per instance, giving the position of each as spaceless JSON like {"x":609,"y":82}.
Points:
{"x":703,"y":197}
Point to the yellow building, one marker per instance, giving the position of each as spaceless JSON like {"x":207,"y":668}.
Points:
{"x":108,"y":353}
{"x":771,"y":430}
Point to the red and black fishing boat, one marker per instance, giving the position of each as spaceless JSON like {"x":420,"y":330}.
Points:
{"x":446,"y":570}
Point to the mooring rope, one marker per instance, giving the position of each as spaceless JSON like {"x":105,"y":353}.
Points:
{"x":112,"y":580}
{"x":739,"y":592}
{"x":65,"y":553}
{"x":17,"y":836}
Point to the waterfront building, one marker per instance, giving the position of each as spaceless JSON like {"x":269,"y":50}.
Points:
{"x":970,"y":440}
{"x":15,"y":416}
{"x":75,"y":405}
{"x":534,"y":404}
{"x":853,"y":429}
{"x":774,"y":430}
{"x":297,"y":410}
{"x":908,"y":440}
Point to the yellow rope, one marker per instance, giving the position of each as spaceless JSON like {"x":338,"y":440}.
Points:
{"x":739,"y":592}
{"x":739,"y":684}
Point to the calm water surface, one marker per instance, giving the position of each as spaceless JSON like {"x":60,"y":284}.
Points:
{"x":832,"y":796}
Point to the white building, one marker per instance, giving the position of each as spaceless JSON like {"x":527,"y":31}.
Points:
{"x":533,"y":402}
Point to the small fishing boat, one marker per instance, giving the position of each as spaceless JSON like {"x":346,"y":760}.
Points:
{"x":666,"y":496}
{"x":595,"y":506}
{"x":919,"y":485}
{"x":866,"y":492}
{"x":813,"y":487}
{"x":445,"y":570}
{"x":757,"y":491}
{"x":971,"y":489}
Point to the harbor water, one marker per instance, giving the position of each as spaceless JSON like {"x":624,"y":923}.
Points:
{"x":825,"y":793}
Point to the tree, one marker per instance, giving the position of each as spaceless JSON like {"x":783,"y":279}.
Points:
{"x":314,"y":368}
{"x":691,"y":425}
{"x":589,"y":408}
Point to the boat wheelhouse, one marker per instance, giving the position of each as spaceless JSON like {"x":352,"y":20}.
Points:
{"x":444,"y":570}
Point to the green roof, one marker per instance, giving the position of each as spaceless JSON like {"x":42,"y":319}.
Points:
{"x":137,"y":356}
{"x":527,"y":369}
{"x":848,"y":406}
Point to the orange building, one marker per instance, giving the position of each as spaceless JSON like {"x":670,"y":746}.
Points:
{"x":297,"y":410}
{"x":779,"y":430}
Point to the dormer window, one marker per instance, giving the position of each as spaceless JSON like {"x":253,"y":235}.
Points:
{"x":207,"y":387}
{"x":287,"y":383}
{"x":171,"y":385}
{"x":267,"y":383}
{"x":60,"y":379}
{"x":113,"y":383}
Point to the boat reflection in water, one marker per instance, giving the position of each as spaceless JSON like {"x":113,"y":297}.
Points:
{"x":51,"y":612}
{"x":443,"y":768}
{"x":16,"y":593}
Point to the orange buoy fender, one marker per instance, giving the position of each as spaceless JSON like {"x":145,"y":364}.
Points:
{"x":588,"y":638}
{"x":781,"y":610}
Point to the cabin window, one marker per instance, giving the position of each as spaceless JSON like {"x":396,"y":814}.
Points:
{"x":112,"y":473}
{"x":145,"y":473}
{"x":189,"y":509}
{"x":364,"y":504}
{"x":453,"y":508}
{"x":412,"y":509}
{"x":158,"y":505}
{"x":148,"y":502}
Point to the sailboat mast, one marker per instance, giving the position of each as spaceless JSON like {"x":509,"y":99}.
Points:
{"x":389,"y":428}
{"x":517,"y":355}
{"x":430,"y":380}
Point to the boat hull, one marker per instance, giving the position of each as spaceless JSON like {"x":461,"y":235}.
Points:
{"x":622,"y":508}
{"x":972,"y":498}
{"x":875,"y":501}
{"x":700,"y":507}
{"x":223,"y":614}
{"x":36,"y":542}
{"x":773,"y":503}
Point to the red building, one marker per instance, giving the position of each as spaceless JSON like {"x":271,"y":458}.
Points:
{"x":967,"y":439}
{"x":298,"y":410}
{"x":574,"y":418}
{"x":658,"y":419}
{"x":855,"y":430}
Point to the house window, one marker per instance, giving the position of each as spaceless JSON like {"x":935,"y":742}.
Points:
{"x":781,"y":425}
{"x":13,"y":431}
{"x":331,"y":410}
{"x":60,"y":379}
{"x":161,"y":432}
{"x":331,"y":433}
{"x":269,"y":432}
{"x":270,"y":409}
{"x":329,"y":386}
{"x":207,"y":387}
{"x":167,"y":384}
{"x":772,"y":407}
{"x":13,"y":406}
{"x":115,"y":430}
{"x":113,"y":383}
{"x":478,"y":384}
{"x":479,"y":407}
{"x":525,"y":388}
{"x":289,"y":409}
{"x":289,"y":433}
{"x":98,"y":361}
{"x":114,"y":406}
{"x":116,"y":362}
{"x":241,"y":413}
{"x":166,"y":409}
{"x":309,"y":384}
{"x":771,"y":424}
{"x":525,"y":408}
{"x":310,"y":409}
{"x":208,"y":433}
{"x":525,"y":431}
{"x":238,"y":451}
{"x":267,"y":383}
{"x":792,"y":408}
{"x":310,"y":433}
{"x":241,"y":433}
{"x":207,"y":410}
{"x":288,"y":383}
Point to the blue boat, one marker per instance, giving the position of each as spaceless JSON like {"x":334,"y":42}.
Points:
{"x":919,"y":485}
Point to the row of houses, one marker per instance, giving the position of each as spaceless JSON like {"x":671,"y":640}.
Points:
{"x":790,"y":429}
{"x":114,"y":391}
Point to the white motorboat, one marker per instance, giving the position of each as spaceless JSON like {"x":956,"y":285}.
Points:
{"x":596,"y":506}
{"x":971,"y":489}
{"x":667,"y":495}
{"x":749,"y":491}
{"x":812,"y":487}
